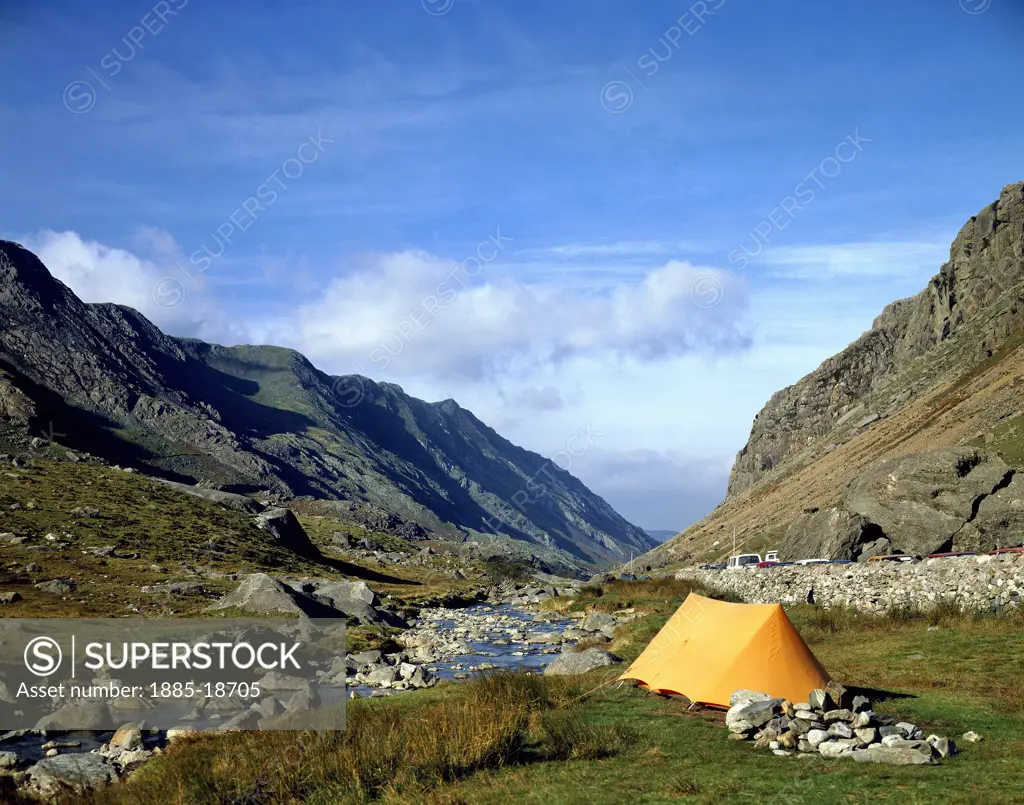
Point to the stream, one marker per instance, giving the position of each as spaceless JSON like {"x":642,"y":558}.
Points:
{"x":454,"y":643}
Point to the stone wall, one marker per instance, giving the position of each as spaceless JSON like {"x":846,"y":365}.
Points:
{"x":973,"y":582}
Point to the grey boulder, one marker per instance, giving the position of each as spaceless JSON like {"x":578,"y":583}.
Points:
{"x":747,"y":716}
{"x":287,"y":531}
{"x":893,"y":755}
{"x":262,"y":594}
{"x":742,"y":695}
{"x":580,"y":662}
{"x":77,"y":716}
{"x":924,"y":500}
{"x":76,"y":773}
{"x":596,"y":621}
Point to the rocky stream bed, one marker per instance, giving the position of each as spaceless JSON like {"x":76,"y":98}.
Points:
{"x":441,"y":644}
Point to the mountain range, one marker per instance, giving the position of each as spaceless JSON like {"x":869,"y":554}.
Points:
{"x":263,"y":420}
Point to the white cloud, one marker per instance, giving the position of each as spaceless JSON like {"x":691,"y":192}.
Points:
{"x":152,"y":239}
{"x":534,"y":398}
{"x":857,"y":260}
{"x":412,"y":313}
{"x":98,"y":273}
{"x":625,"y":248}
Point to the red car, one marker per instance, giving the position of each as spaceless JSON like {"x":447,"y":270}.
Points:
{"x":997,"y":551}
{"x":948,"y":555}
{"x":767,"y":564}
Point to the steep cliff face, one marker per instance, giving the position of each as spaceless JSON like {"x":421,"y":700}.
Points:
{"x":261,"y":417}
{"x":911,"y":438}
{"x":985,"y":263}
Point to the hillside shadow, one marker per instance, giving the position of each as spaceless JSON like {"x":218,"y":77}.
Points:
{"x":232,"y":396}
{"x":363,"y":573}
{"x":78,"y":429}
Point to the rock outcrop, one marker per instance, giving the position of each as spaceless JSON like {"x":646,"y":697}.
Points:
{"x":287,"y":531}
{"x":262,"y":594}
{"x":929,"y":502}
{"x":933,"y":501}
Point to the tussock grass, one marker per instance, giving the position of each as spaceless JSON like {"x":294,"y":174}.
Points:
{"x":528,"y":692}
{"x":589,"y":642}
{"x":384,"y":750}
{"x":568,"y":736}
{"x":389,"y":749}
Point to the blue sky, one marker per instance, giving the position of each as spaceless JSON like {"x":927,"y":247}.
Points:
{"x":536,"y":208}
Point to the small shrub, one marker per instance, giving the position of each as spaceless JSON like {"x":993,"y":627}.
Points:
{"x":500,"y":569}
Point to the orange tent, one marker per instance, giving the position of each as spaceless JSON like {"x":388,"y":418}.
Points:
{"x":710,"y":648}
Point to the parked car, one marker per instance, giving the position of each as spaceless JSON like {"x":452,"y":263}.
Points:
{"x":812,"y":561}
{"x":712,"y":566}
{"x":949,"y":554}
{"x":743,"y":560}
{"x":998,"y":551}
{"x":767,"y":563}
{"x":772,"y":556}
{"x":840,"y":561}
{"x":894,"y":557}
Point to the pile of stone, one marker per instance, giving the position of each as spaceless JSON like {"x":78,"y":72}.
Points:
{"x":375,"y":669}
{"x":831,"y":723}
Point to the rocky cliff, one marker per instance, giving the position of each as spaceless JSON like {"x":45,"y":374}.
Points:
{"x":250,"y":418}
{"x":854,"y":387}
{"x":911,"y":438}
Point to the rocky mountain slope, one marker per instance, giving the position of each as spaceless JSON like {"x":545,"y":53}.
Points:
{"x":260,"y":418}
{"x":911,"y":438}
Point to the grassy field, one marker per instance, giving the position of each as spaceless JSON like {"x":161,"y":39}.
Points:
{"x":55,"y":515}
{"x":518,"y":739}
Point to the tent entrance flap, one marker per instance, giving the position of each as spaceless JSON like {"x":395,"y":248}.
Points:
{"x":710,"y":648}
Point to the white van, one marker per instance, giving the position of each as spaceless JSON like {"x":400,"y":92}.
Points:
{"x":744,"y":560}
{"x":771,"y":556}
